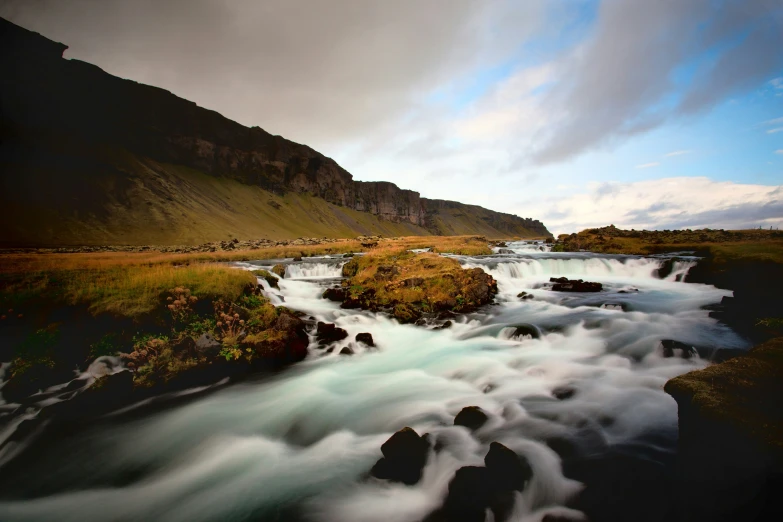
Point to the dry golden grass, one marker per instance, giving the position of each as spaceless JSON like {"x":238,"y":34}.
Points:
{"x":126,"y":290}
{"x":130,"y":284}
{"x":33,"y":262}
{"x":463,"y":245}
{"x":721,"y":245}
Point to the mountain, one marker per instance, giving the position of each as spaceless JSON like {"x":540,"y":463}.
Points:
{"x":89,"y":158}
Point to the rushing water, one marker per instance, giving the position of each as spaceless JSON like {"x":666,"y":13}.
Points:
{"x":301,"y":443}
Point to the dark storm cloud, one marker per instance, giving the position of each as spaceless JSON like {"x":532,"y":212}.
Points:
{"x":621,"y":81}
{"x":314,"y":71}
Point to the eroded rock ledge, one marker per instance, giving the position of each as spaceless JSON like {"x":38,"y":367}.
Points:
{"x":731,"y":436}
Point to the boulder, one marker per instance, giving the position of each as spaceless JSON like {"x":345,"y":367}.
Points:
{"x":404,"y":457}
{"x":562,"y":393}
{"x":444,"y":326}
{"x":296,"y":340}
{"x":669,"y":346}
{"x":279,"y":270}
{"x":524,"y":296}
{"x":508,"y":470}
{"x":297,"y":258}
{"x":207,"y":345}
{"x":185,"y":346}
{"x":335,"y":294}
{"x":505,"y":251}
{"x":472,"y":417}
{"x":347,"y":351}
{"x":469,"y":495}
{"x":562,"y":284}
{"x":524,"y":329}
{"x":365,"y":338}
{"x":327,"y":333}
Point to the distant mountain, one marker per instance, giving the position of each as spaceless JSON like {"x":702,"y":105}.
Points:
{"x":89,"y":158}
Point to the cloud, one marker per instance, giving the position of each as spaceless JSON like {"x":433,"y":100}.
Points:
{"x":779,"y":151}
{"x":317,"y":72}
{"x":622,"y":80}
{"x":647,"y":165}
{"x":775,"y":131}
{"x":681,"y":202}
{"x":678,"y":153}
{"x":773,"y":121}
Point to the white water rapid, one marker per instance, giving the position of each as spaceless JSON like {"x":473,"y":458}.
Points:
{"x":299,"y":445}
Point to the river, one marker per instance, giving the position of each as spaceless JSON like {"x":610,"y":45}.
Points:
{"x":299,"y":444}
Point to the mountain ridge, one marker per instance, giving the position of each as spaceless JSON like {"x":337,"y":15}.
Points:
{"x":128,"y":144}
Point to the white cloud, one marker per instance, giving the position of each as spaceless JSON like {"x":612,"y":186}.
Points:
{"x":774,"y":131}
{"x":647,"y":165}
{"x":777,"y":83}
{"x":678,"y":153}
{"x":683,"y":202}
{"x":779,"y":151}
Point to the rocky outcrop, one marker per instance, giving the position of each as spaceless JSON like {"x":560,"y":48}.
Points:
{"x":731,"y":437}
{"x":404,"y":457}
{"x":563,"y":284}
{"x":59,"y":110}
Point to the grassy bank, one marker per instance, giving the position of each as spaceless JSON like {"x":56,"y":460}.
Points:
{"x":60,"y":311}
{"x":722,"y":246}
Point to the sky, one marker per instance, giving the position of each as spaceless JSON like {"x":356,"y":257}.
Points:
{"x":644,"y":114}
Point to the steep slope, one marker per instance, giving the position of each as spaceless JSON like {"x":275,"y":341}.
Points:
{"x":90,"y":158}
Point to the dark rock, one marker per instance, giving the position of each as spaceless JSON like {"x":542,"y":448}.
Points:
{"x":564,"y":392}
{"x":508,"y":470}
{"x":404,"y":457}
{"x":335,"y":294}
{"x":348,"y":256}
{"x":298,"y":258}
{"x":185,"y":345}
{"x":444,"y":326}
{"x":524,"y":296}
{"x":724,"y":354}
{"x":524,"y":329}
{"x":472,"y":417}
{"x":469,"y":495}
{"x":669,"y":345}
{"x":327,"y":333}
{"x":347,"y":350}
{"x":365,"y":338}
{"x":505,"y":251}
{"x":207,"y":345}
{"x":445,"y":305}
{"x":293,"y":346}
{"x":563,"y":284}
{"x":665,"y":269}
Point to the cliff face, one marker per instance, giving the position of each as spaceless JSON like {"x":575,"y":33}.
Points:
{"x":48,"y":101}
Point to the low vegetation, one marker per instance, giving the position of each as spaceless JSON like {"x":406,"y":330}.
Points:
{"x":745,"y":393}
{"x":720,"y":245}
{"x":169,"y":315}
{"x":409,"y":285}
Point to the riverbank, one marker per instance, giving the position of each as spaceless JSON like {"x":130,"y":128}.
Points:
{"x":174,"y":320}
